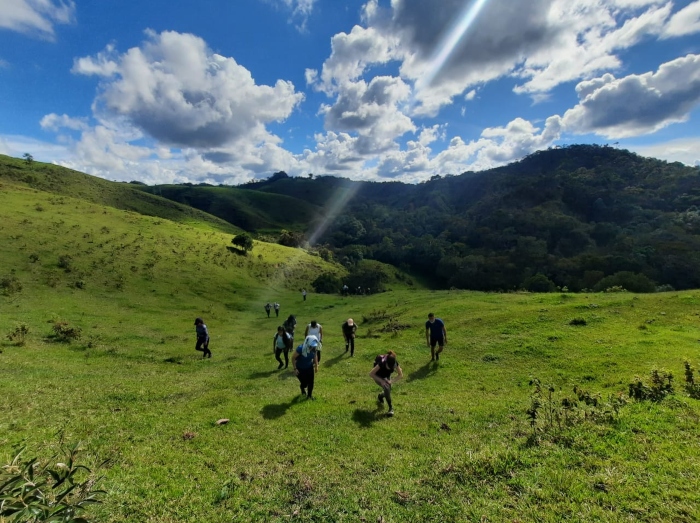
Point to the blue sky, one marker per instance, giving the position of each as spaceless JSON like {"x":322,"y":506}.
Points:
{"x":225,"y":91}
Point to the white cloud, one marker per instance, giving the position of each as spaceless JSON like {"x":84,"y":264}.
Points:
{"x":300,"y":9}
{"x":179,"y":92}
{"x":684,"y":150}
{"x":637,"y":104}
{"x":55,"y":122}
{"x":36,"y":17}
{"x":684,"y":22}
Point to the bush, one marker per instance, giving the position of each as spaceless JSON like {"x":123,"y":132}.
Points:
{"x":64,"y":332}
{"x":10,"y":285}
{"x":65,"y":262}
{"x":539,"y":283}
{"x":327,"y":283}
{"x":661,"y":386}
{"x":18,"y":334}
{"x":626,"y":280}
{"x":35,"y":492}
{"x":290,"y":239}
{"x":578,"y":322}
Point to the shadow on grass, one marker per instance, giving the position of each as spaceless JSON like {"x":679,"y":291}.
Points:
{"x":277,"y":410}
{"x":424,"y":372}
{"x":262,"y":374}
{"x":233,"y":250}
{"x":333,"y":361}
{"x":364,"y":418}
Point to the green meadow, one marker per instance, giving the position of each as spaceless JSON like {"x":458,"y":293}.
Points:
{"x":461,"y":447}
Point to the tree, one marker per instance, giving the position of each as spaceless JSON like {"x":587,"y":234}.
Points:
{"x":28,"y":158}
{"x":243,"y":241}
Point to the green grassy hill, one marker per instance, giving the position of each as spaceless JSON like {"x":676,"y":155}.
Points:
{"x":460,"y":448}
{"x":247,"y":209}
{"x":67,"y":182}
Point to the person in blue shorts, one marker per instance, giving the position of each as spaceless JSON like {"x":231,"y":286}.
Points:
{"x":305,"y":363}
{"x":435,"y":334}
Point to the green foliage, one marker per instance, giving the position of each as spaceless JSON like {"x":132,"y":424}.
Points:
{"x":10,"y":284}
{"x":659,"y":387}
{"x":691,"y":386}
{"x":290,"y":238}
{"x":28,"y":158}
{"x":327,"y":283}
{"x":243,"y":241}
{"x":578,"y":322}
{"x":18,"y":335}
{"x":62,"y":331}
{"x":32,"y":491}
{"x":626,"y":280}
{"x":539,"y":283}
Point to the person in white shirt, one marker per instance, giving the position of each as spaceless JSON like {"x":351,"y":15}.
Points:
{"x":314,"y":329}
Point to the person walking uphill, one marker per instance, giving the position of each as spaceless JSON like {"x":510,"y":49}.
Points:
{"x":281,"y":343}
{"x":277,"y":309}
{"x":314,"y":329}
{"x":202,"y":338}
{"x":384,"y":366}
{"x":349,"y":329}
{"x":305,"y":363}
{"x":303,"y":294}
{"x":435,"y":334}
{"x":268,"y":307}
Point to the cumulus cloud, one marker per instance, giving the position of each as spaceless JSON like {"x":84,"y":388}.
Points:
{"x":684,"y":150}
{"x":637,"y":104}
{"x":181,"y":93}
{"x":36,"y":17}
{"x":55,"y":122}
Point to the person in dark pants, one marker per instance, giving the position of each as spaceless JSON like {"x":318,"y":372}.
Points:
{"x":305,"y":363}
{"x":384,"y":366}
{"x":349,"y":329}
{"x":281,"y":344}
{"x":268,"y":308}
{"x":202,"y":338}
{"x":303,"y":294}
{"x":277,"y":309}
{"x":435,"y":334}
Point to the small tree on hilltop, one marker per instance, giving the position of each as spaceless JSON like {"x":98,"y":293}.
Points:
{"x":243,"y":241}
{"x":28,"y":158}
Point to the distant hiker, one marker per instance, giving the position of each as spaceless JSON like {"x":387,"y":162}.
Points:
{"x":268,"y":307}
{"x":303,"y":294}
{"x":314,"y":329}
{"x":289,"y":325}
{"x":277,"y":309}
{"x":281,"y":343}
{"x":349,"y":329}
{"x":346,"y":289}
{"x":435,"y":334}
{"x":202,"y":338}
{"x":305,"y":363}
{"x":384,"y":366}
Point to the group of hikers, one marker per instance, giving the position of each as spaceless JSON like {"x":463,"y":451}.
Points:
{"x":307,"y":356}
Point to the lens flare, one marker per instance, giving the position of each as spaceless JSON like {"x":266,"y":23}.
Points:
{"x":449,"y":42}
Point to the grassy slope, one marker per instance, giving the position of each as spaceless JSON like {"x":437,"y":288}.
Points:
{"x":66,"y":182}
{"x":456,"y":451}
{"x":250,"y":210}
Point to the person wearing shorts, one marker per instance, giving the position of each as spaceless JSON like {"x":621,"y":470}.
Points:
{"x":435,"y":335}
{"x":384,"y":366}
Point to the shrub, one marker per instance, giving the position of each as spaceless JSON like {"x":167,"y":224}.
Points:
{"x":34,"y":257}
{"x":18,"y":334}
{"x":327,"y":283}
{"x":539,"y":283}
{"x":626,"y":280}
{"x":691,"y":387}
{"x":661,"y":386}
{"x":65,"y":262}
{"x":64,"y":332}
{"x":10,"y":285}
{"x":36,"y":492}
{"x":578,"y":322}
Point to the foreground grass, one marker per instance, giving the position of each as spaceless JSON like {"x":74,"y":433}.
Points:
{"x":457,"y":450}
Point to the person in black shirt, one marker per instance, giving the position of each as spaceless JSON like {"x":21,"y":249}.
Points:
{"x":349,"y":329}
{"x":384,"y":366}
{"x":435,"y":334}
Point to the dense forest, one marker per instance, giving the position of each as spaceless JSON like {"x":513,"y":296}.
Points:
{"x":580,"y":217}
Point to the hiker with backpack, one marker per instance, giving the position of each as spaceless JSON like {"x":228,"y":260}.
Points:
{"x":384,"y":366}
{"x":305,"y":364}
{"x":277,"y":309}
{"x":281,"y":343}
{"x":268,"y":308}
